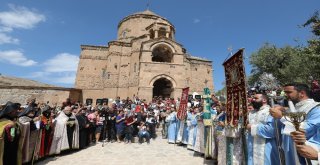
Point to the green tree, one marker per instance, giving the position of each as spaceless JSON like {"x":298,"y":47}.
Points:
{"x":289,"y":64}
{"x":282,"y":63}
{"x":221,"y":92}
{"x":312,"y":50}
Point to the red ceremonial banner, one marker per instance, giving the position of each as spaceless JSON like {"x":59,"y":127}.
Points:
{"x":182,"y":112}
{"x":236,"y":89}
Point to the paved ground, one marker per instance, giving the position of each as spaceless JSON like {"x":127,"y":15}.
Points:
{"x":158,"y":152}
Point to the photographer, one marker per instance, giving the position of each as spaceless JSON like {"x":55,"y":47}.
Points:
{"x":111,"y":125}
{"x":143,"y":133}
{"x":151,"y":124}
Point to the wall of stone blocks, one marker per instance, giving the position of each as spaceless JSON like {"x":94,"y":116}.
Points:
{"x":23,"y":95}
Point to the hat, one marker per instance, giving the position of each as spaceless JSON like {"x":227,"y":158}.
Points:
{"x":9,"y":107}
{"x":26,"y":111}
{"x":46,"y":108}
{"x":23,"y":106}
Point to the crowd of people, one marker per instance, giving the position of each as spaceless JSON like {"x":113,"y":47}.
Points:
{"x":272,"y":134}
{"x":35,"y":130}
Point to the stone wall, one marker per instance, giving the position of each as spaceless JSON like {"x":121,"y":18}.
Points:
{"x":125,"y":68}
{"x":55,"y":95}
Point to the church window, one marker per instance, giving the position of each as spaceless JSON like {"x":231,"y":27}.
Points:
{"x":88,"y":101}
{"x":162,"y":53}
{"x":162,"y":32}
{"x":116,"y":66}
{"x":135,"y":67}
{"x":151,"y":32}
{"x":108,"y":76}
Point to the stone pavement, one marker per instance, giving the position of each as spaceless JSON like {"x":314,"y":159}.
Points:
{"x":158,"y":152}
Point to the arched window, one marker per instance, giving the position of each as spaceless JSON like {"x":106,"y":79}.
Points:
{"x":162,"y":32}
{"x":162,"y":53}
{"x":151,"y":34}
{"x":89,"y":101}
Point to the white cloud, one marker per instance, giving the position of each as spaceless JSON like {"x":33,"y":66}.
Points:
{"x":16,"y":57}
{"x":63,"y":62}
{"x":59,"y":69}
{"x":5,"y":29}
{"x":38,"y":74}
{"x":5,"y":39}
{"x":17,"y":18}
{"x":66,"y":79}
{"x":20,"y":17}
{"x":196,"y":20}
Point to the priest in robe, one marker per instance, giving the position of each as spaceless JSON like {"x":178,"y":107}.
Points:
{"x":185,"y":133}
{"x":299,"y":94}
{"x":47,"y":128}
{"x":220,"y":135}
{"x":30,"y":133}
{"x":83,"y":128}
{"x":10,"y":135}
{"x":311,"y":150}
{"x":199,"y":145}
{"x":172,"y":128}
{"x":180,"y":128}
{"x":66,"y":132}
{"x":261,"y":133}
{"x":191,"y":123}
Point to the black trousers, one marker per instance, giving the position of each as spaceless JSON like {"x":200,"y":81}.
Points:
{"x":111,"y":130}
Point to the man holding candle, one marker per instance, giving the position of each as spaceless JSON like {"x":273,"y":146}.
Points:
{"x":299,"y":94}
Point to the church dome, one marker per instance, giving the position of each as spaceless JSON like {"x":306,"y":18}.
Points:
{"x":147,"y":12}
{"x":136,"y":25}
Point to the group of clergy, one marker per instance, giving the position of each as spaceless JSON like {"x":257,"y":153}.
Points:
{"x":30,"y":133}
{"x":270,"y":137}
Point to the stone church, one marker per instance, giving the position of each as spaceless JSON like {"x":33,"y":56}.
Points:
{"x":145,"y":60}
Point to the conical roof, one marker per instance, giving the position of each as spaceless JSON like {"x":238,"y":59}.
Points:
{"x":146,"y":12}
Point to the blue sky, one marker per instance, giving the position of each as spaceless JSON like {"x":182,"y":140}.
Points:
{"x":41,"y":40}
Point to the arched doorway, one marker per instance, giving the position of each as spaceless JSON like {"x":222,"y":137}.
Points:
{"x":162,"y":53}
{"x":162,"y":87}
